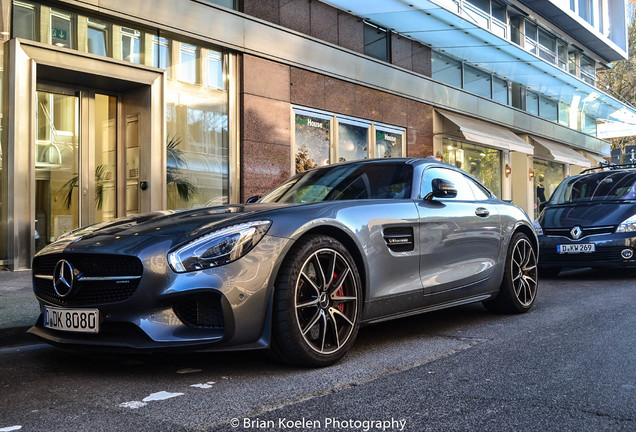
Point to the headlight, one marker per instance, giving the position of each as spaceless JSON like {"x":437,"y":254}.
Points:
{"x":537,"y":227}
{"x":628,"y":225}
{"x":218,"y":248}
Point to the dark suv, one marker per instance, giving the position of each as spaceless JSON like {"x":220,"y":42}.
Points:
{"x":589,"y":221}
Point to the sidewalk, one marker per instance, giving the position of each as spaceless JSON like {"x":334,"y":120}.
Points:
{"x":18,"y":308}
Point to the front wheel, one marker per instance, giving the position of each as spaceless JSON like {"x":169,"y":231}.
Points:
{"x":317,"y":303}
{"x":519,"y":285}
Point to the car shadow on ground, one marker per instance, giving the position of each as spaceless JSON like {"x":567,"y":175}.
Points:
{"x":593,"y":274}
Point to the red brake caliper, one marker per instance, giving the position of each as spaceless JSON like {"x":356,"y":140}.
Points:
{"x":339,"y":293}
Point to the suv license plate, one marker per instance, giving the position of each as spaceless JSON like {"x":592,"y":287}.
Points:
{"x":74,"y":320}
{"x":575,"y":248}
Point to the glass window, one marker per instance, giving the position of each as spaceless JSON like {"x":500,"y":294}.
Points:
{"x":161,"y":53}
{"x":24,"y":20}
{"x":97,"y":38}
{"x":352,"y":141}
{"x":500,"y":90}
{"x":547,"y":46}
{"x":564,"y":114}
{"x":589,"y":124}
{"x":376,"y":42}
{"x":447,"y":70}
{"x":499,"y":11}
{"x":227,"y":3}
{"x":588,"y":69}
{"x":215,"y":70}
{"x":458,"y":180}
{"x":388,"y":144}
{"x":532,"y":103}
{"x":188,"y":63}
{"x":547,"y":176}
{"x":572,"y":62}
{"x":562,"y":55}
{"x":531,"y":37}
{"x":61,"y":30}
{"x":131,"y":45}
{"x":586,"y":11}
{"x":313,"y":139}
{"x":482,"y":163}
{"x":477,"y":81}
{"x":548,"y":109}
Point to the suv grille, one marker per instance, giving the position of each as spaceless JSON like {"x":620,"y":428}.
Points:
{"x":585,"y":231}
{"x":99,"y":279}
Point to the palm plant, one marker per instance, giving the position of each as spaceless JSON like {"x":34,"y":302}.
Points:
{"x":175,"y":161}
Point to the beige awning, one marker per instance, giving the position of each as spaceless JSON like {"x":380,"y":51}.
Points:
{"x":550,"y":150}
{"x":598,"y":159}
{"x":488,"y":134}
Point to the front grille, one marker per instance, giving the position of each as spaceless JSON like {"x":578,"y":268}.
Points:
{"x":99,"y":279}
{"x":399,"y":239}
{"x":201,"y":312}
{"x":585,"y":231}
{"x":601,"y":254}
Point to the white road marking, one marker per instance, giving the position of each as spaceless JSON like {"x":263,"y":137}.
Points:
{"x":133,"y":404}
{"x":207,"y":385}
{"x":162,"y":395}
{"x":11,"y":428}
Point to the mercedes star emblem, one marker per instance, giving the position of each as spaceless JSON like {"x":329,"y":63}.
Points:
{"x":576,"y":232}
{"x":63,"y":278}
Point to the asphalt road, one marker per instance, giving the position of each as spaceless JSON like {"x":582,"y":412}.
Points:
{"x":567,"y":365}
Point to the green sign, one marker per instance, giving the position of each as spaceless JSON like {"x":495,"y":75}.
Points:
{"x":59,"y":34}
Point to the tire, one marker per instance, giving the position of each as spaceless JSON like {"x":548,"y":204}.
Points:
{"x":519,"y":285}
{"x":549,"y":272}
{"x":317,"y":303}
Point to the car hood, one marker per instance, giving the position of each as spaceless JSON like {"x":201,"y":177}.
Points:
{"x":608,"y":213}
{"x":170,"y":227}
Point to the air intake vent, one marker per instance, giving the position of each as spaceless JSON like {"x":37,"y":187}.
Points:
{"x":399,"y":239}
{"x":201,"y":312}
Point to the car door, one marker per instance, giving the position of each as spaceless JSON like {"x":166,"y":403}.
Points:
{"x":459,"y":235}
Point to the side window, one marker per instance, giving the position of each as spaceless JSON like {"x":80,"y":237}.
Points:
{"x":480,"y":192}
{"x":459,"y":181}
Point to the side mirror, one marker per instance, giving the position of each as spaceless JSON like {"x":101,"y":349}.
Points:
{"x":441,"y":189}
{"x":253,"y":199}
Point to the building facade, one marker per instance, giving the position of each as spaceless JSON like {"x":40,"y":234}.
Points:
{"x":112,"y":108}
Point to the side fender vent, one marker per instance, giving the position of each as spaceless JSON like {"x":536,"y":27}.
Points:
{"x":399,"y":239}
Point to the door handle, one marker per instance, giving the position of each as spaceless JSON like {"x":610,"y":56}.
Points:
{"x":482,"y":212}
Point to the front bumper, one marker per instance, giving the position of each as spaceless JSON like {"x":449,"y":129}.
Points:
{"x":217,"y":309}
{"x":607,"y":254}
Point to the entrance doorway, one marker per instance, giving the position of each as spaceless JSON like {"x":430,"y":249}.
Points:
{"x":78,"y":151}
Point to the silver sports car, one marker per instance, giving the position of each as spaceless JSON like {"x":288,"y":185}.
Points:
{"x":298,"y":271}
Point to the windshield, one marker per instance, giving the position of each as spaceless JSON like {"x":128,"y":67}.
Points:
{"x":602,"y":186}
{"x":346,"y":182}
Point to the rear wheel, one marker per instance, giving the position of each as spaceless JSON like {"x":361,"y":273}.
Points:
{"x":519,"y":285}
{"x":317,"y":303}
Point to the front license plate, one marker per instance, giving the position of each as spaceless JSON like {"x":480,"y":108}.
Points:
{"x":74,"y":320}
{"x":575,"y":248}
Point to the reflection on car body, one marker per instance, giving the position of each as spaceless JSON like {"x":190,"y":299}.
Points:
{"x":298,"y":271}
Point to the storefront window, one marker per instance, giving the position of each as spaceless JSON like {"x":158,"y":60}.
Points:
{"x":313,"y":136}
{"x":547,"y":177}
{"x":483,"y":163}
{"x":352,"y":142}
{"x":388,"y":144}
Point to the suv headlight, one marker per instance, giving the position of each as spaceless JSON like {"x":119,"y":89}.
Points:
{"x":537,"y":227}
{"x":219,"y":247}
{"x":628,"y":225}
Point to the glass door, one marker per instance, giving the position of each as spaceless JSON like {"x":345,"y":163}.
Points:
{"x":56,"y":166}
{"x":76,"y":160}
